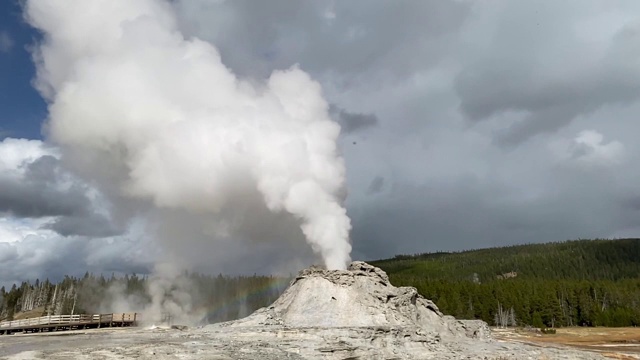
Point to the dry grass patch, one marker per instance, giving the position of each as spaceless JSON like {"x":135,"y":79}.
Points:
{"x":37,"y":312}
{"x":592,"y":336}
{"x":615,"y":343}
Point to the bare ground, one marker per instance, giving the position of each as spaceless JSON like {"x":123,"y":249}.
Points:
{"x":616,"y":343}
{"x":214,"y":342}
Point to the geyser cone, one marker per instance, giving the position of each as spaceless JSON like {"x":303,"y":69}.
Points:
{"x":360,"y":296}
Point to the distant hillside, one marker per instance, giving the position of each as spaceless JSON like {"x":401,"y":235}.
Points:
{"x":583,"y":282}
{"x":577,"y":260}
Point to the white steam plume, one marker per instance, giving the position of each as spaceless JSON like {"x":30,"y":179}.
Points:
{"x":180,"y":128}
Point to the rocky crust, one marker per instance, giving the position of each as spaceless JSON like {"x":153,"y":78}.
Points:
{"x":360,"y":296}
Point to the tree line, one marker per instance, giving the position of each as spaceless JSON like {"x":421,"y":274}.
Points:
{"x":216,"y":298}
{"x":574,"y":283}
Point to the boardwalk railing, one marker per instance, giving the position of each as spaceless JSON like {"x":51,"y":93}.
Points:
{"x":67,"y":322}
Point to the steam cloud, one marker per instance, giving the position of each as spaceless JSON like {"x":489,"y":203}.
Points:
{"x":155,"y":119}
{"x":125,"y":86}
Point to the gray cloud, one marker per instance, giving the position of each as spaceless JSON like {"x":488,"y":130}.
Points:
{"x":350,"y":39}
{"x":376,"y":185}
{"x":631,"y":203}
{"x":447,"y":82}
{"x":472,"y":214}
{"x":472,"y":114}
{"x":35,"y":195}
{"x":553,"y":76}
{"x":39,"y":194}
{"x":351,"y":122}
{"x":83,"y":224}
{"x":43,"y":257}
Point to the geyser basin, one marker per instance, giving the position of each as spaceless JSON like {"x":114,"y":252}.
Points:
{"x":329,"y":315}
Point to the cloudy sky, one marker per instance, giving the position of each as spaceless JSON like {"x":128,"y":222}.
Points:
{"x":464,"y":125}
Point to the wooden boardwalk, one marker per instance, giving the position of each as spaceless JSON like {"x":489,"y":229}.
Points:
{"x":68,"y":322}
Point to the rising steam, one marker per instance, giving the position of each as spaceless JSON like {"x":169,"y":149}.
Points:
{"x":176,"y":128}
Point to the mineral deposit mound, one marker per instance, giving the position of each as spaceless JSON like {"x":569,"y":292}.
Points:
{"x":357,"y":314}
{"x":360,"y":296}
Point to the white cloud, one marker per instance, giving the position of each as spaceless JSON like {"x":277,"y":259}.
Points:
{"x":29,"y":251}
{"x":17,"y":229}
{"x":9,"y":232}
{"x":16,"y":153}
{"x":588,"y":148}
{"x":37,"y":253}
{"x":330,"y":13}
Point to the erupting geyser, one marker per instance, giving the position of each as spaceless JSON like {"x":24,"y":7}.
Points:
{"x":177,"y":128}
